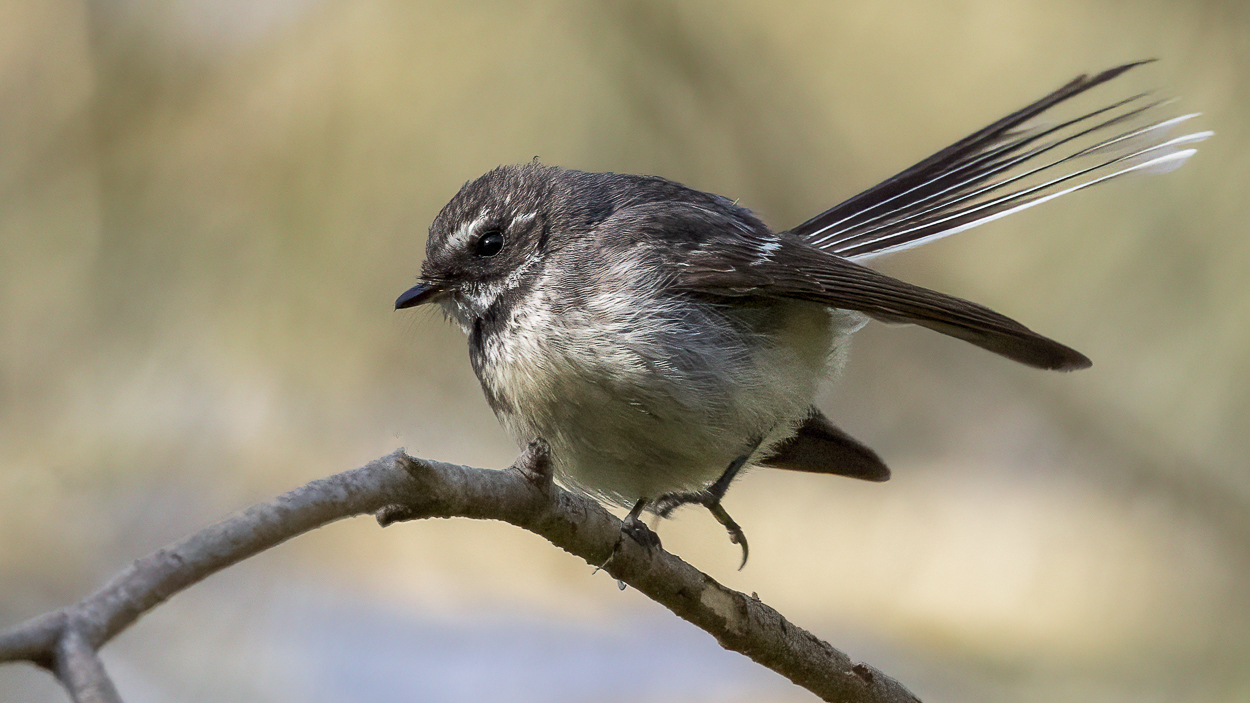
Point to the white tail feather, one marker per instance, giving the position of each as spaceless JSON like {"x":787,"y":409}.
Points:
{"x":1011,"y":169}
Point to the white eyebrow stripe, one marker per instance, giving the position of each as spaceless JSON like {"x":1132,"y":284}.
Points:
{"x":467,"y":231}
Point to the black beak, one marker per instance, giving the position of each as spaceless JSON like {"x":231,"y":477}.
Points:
{"x":418,"y":294}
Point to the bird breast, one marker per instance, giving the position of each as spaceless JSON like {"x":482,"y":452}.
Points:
{"x":641,"y":392}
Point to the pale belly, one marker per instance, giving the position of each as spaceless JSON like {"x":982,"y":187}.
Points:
{"x":631,"y":414}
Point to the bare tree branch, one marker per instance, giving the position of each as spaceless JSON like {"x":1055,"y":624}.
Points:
{"x":78,"y":666}
{"x":398,"y":487}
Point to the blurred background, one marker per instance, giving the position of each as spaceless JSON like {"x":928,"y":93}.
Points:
{"x":208,"y":207}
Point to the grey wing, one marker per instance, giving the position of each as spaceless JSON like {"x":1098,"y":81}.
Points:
{"x":820,"y":447}
{"x":747,"y":260}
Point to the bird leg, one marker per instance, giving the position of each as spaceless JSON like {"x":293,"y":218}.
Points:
{"x":710,"y":498}
{"x":636,"y":529}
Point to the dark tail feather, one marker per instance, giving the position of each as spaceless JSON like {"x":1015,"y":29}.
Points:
{"x":821,"y":448}
{"x":1001,"y":169}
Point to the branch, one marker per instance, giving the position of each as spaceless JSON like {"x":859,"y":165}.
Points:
{"x":399,"y":487}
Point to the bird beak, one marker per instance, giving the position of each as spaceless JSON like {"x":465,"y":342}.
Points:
{"x":421,"y":293}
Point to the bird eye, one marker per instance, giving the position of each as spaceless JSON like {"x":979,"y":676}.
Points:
{"x":489,"y":244}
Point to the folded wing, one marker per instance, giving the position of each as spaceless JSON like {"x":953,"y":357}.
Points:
{"x":755,"y":262}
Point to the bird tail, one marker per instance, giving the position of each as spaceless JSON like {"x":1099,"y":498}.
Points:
{"x":1004,"y":168}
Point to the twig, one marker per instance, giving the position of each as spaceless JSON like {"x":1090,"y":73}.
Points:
{"x":398,"y":487}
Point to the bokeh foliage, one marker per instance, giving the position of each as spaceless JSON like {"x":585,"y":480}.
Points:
{"x":206,"y":209}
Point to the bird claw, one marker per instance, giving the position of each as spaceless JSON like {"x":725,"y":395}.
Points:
{"x":634,"y":528}
{"x":666,"y":504}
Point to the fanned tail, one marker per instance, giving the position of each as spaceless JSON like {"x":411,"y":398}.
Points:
{"x":1002,"y":169}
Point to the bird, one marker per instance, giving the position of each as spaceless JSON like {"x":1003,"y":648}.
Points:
{"x":660,"y":339}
